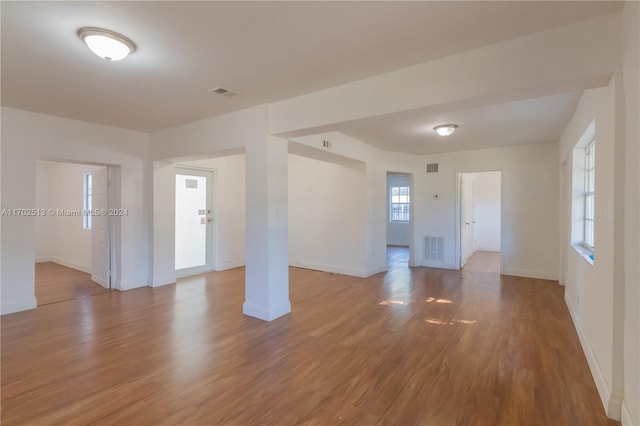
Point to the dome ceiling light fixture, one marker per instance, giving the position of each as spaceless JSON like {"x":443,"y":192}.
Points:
{"x":446,"y":129}
{"x":108,"y":45}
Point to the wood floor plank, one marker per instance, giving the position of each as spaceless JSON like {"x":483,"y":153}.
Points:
{"x":417,"y":346}
{"x":56,"y":283}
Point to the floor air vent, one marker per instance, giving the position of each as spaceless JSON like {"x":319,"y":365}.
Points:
{"x":434,"y":248}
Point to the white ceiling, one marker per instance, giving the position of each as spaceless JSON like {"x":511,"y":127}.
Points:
{"x":528,"y":121}
{"x":265,"y":51}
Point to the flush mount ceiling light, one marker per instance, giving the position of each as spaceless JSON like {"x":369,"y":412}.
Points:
{"x":109,"y":45}
{"x":445,"y":129}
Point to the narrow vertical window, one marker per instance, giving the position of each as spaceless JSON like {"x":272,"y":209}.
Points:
{"x":86,"y":217}
{"x":399,"y":204}
{"x":589,"y":194}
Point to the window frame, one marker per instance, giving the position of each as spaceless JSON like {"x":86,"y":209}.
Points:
{"x":588,"y":240}
{"x":405,"y":206}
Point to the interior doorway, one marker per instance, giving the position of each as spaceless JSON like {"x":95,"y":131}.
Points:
{"x":72,"y":231}
{"x":480,"y":216}
{"x":399,"y":207}
{"x":194,"y":226}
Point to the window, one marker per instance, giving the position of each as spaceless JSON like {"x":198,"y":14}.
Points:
{"x":86,"y":217}
{"x":400,"y":203}
{"x":589,"y":192}
{"x":583,"y":169}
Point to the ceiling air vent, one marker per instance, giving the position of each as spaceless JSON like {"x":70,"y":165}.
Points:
{"x":432,"y":168}
{"x":222,"y":91}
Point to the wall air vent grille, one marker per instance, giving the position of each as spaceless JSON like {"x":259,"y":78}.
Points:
{"x":434,"y":248}
{"x":432,"y":168}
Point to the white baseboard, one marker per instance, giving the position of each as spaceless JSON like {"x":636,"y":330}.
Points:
{"x":264,"y":313}
{"x":373,"y":271}
{"x":494,"y":249}
{"x":327,"y":268}
{"x":436,"y":264}
{"x":11,"y":306}
{"x":71,"y":264}
{"x":223,"y":266}
{"x":625,"y":416}
{"x":128,"y":285}
{"x":166,"y":280}
{"x":43,"y":259}
{"x":604,"y":390}
{"x":530,"y":274}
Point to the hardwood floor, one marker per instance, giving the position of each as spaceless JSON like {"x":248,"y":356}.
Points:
{"x":412,"y":346}
{"x":483,"y":261}
{"x":57,"y":283}
{"x":397,"y":257}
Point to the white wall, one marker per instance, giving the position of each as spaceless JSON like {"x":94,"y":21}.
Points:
{"x":27,"y":137}
{"x":62,"y":239}
{"x":631,"y":157}
{"x":44,"y":199}
{"x":229,"y":208}
{"x":529,"y":210}
{"x":529,"y":201}
{"x":398,"y":234}
{"x":326,"y":215}
{"x":590,"y":289}
{"x":486,"y":210}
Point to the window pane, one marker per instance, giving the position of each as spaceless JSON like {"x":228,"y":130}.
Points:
{"x":588,"y":211}
{"x":399,"y":206}
{"x":589,"y":194}
{"x":588,"y":233}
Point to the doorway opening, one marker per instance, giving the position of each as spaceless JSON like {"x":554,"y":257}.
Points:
{"x":480,"y":221}
{"x":194,"y":225}
{"x":73,"y":231}
{"x":399,"y":207}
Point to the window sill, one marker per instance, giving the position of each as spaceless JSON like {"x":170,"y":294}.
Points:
{"x":586,"y":253}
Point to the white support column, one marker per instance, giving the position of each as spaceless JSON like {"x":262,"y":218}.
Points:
{"x":267,"y":242}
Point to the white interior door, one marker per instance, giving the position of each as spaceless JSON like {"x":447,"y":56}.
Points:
{"x":100,"y":243}
{"x":468,"y":246}
{"x":194,"y":221}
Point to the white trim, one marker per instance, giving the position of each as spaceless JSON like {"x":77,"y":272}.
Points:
{"x":373,"y":271}
{"x":530,"y":274}
{"x":161,"y":281}
{"x":127,"y":285}
{"x":604,"y":390}
{"x":263,"y":312}
{"x":223,"y":266}
{"x":584,"y":252}
{"x":189,"y":272}
{"x":436,"y":264}
{"x":71,"y":264}
{"x":328,"y":268}
{"x":43,"y":259}
{"x":11,"y":306}
{"x":493,"y":249}
{"x":625,"y":416}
